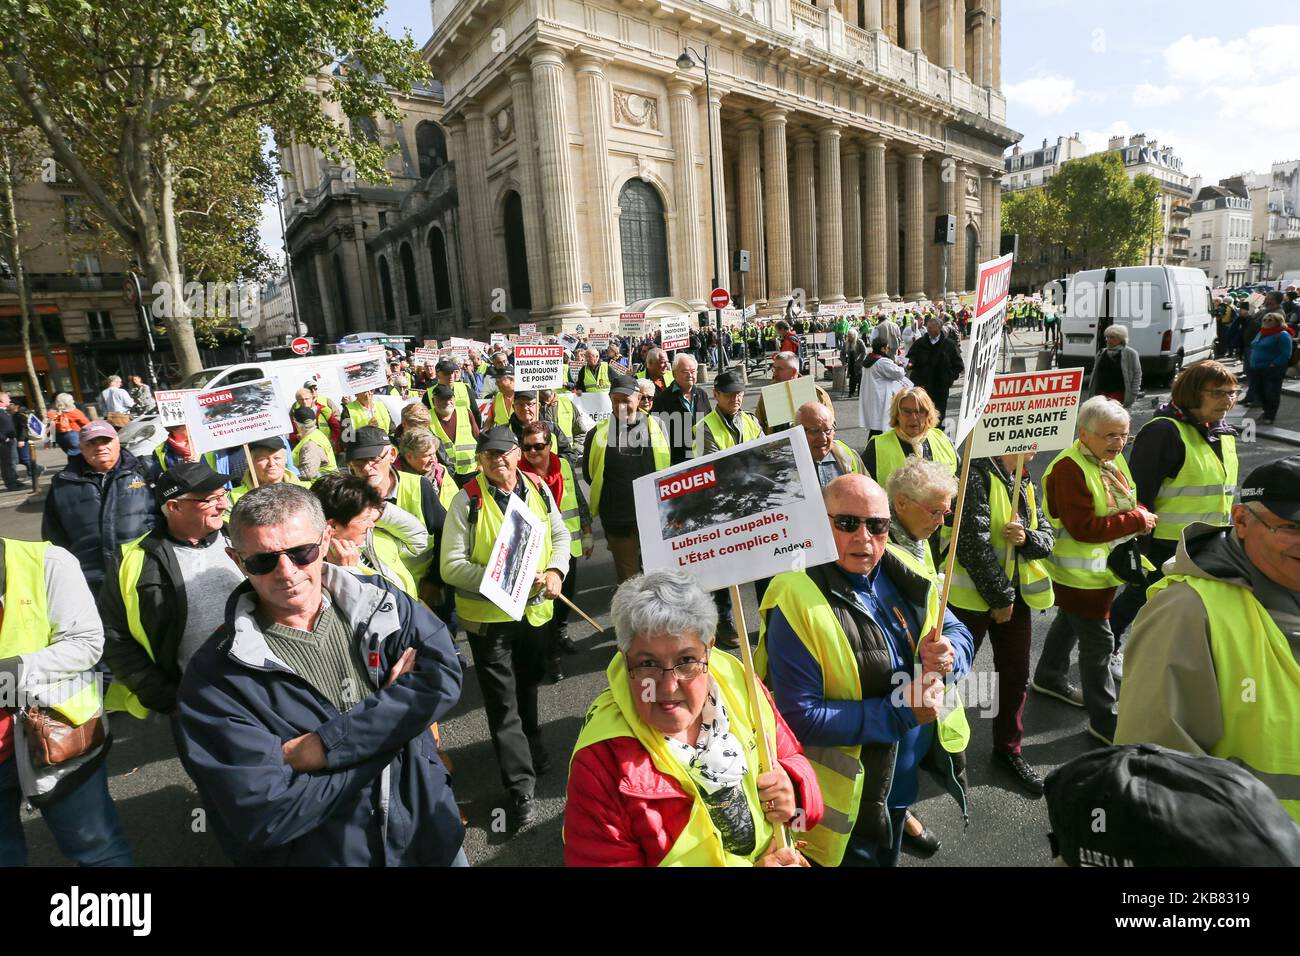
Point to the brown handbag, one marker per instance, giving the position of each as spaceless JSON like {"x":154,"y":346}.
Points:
{"x":52,"y":740}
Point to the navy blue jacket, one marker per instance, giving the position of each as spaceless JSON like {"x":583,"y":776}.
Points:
{"x":384,"y":798}
{"x":94,"y":516}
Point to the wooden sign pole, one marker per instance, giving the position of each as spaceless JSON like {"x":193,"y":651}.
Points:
{"x":252,"y":472}
{"x":1010,"y":559}
{"x":956,"y":525}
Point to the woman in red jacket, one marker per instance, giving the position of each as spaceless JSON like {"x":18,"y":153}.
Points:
{"x":666,"y":769}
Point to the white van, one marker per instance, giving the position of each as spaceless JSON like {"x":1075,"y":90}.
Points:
{"x":1166,"y":310}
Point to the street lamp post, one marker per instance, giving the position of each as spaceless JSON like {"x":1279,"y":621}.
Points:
{"x":686,"y":62}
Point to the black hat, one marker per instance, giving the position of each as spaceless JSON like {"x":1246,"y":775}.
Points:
{"x":443,"y":391}
{"x":304,"y":414}
{"x":500,"y":438}
{"x":271,"y":442}
{"x":728,"y":383}
{"x":1276,"y":486}
{"x":506,"y":370}
{"x":527,"y":395}
{"x":370,"y":442}
{"x":623,"y":385}
{"x":446,"y":365}
{"x":1144,"y":805}
{"x":311,"y":383}
{"x":186,"y":477}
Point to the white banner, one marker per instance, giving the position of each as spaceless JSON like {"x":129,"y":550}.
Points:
{"x":598,"y":341}
{"x":527,"y":329}
{"x":171,"y":405}
{"x":539,"y":366}
{"x":235,"y":415}
{"x":1029,"y":411}
{"x":426,"y":356}
{"x":632,"y":328}
{"x":364,"y":376}
{"x":752,"y":511}
{"x":985,"y":342}
{"x":781,"y":400}
{"x":595,"y":404}
{"x":676,"y":332}
{"x":512,"y":565}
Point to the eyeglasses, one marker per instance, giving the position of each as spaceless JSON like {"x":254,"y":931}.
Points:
{"x":536,"y":447}
{"x":910,"y":411}
{"x":936,"y":513}
{"x":1286,"y":529}
{"x":850,"y":523}
{"x":685,"y":671}
{"x":1230,"y":393}
{"x":209,"y":502}
{"x":820,"y":431}
{"x":267,"y":561}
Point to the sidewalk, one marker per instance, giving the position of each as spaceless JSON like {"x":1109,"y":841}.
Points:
{"x":53,"y":461}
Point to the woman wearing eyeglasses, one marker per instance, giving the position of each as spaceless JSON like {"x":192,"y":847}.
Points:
{"x":1185,"y":464}
{"x":665,"y":770}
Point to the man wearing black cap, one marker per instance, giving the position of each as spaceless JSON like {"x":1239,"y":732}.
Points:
{"x":166,"y":592}
{"x":313,"y":454}
{"x":527,"y":409}
{"x":448,"y":372}
{"x":457,"y":430}
{"x":1213,"y":666}
{"x":619,"y":450}
{"x":509,"y":655}
{"x":503,"y":403}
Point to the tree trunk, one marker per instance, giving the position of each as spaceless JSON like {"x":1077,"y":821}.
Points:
{"x":15,"y":256}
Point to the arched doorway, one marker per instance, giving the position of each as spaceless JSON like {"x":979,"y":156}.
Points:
{"x":431,"y":146}
{"x":441,"y":274}
{"x":386,"y":289}
{"x":409,"y":280}
{"x":521,"y":297}
{"x":972,"y":256}
{"x":644,"y":240}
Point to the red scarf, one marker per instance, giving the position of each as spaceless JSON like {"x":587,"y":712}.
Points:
{"x":181,"y":448}
{"x":1272,"y":331}
{"x":554,"y":476}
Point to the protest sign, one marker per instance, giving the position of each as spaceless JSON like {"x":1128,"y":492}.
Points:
{"x":539,"y":366}
{"x":576,"y":365}
{"x":781,"y":400}
{"x":985,"y":342}
{"x":363,"y":376}
{"x":751,"y":311}
{"x":527,"y":328}
{"x":235,"y":415}
{"x":171,"y":407}
{"x":632,"y":327}
{"x":512,"y":564}
{"x":676,"y":331}
{"x":749,"y":512}
{"x":598,"y":341}
{"x":498,"y":338}
{"x":595,"y":404}
{"x":485,"y":411}
{"x":569,"y":341}
{"x":426,"y":356}
{"x":1029,"y":411}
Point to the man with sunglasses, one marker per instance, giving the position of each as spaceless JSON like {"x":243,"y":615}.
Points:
{"x":1213,"y":665}
{"x":166,"y":592}
{"x":856,"y":662}
{"x":304,"y":722}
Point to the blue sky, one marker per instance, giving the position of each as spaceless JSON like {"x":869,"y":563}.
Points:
{"x":1220,"y":81}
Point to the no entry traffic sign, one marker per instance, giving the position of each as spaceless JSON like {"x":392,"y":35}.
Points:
{"x":719,"y":298}
{"x":300,"y":346}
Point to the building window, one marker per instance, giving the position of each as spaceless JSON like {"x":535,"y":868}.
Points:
{"x":431,"y":145}
{"x":75,"y":211}
{"x":644,"y":240}
{"x":383,"y":220}
{"x":1206,"y":231}
{"x":100,"y":325}
{"x":409,"y":280}
{"x":1205,"y":253}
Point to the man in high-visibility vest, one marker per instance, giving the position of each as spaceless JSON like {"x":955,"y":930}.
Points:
{"x":728,"y":424}
{"x":1212,"y":666}
{"x":655,"y":368}
{"x":509,"y":654}
{"x":831,"y":456}
{"x":527,"y":409}
{"x":504,"y":400}
{"x":868,"y":708}
{"x":50,"y":640}
{"x":166,"y":592}
{"x":313,"y":453}
{"x":365,"y":409}
{"x":448,"y":372}
{"x":455,"y":428}
{"x":594,"y":376}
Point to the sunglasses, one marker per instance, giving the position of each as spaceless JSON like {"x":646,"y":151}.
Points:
{"x":266,"y":562}
{"x":850,"y":523}
{"x":535,"y":447}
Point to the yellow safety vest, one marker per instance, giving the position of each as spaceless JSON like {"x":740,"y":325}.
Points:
{"x":1249,"y":650}
{"x":27,"y":627}
{"x":471,"y":605}
{"x":322,"y":415}
{"x":389,"y":553}
{"x":613,"y":714}
{"x":569,"y":509}
{"x":1074,"y":563}
{"x":839,"y":769}
{"x":749,"y":429}
{"x":601,"y":381}
{"x":376,"y":415}
{"x":460,"y":449}
{"x":319,"y":438}
{"x":410,"y":498}
{"x":447,"y":489}
{"x":1034,"y":581}
{"x":460,"y":396}
{"x":500,"y":412}
{"x":244,"y":488}
{"x":1202,"y":490}
{"x":120,"y":697}
{"x":890,"y":457}
{"x":599,"y":439}
{"x":855,"y":462}
{"x":564,"y":414}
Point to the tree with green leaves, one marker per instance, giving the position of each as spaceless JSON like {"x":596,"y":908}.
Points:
{"x":132,"y":95}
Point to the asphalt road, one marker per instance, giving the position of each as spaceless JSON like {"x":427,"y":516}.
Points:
{"x":165,"y":824}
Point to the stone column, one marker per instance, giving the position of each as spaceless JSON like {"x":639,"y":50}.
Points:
{"x":914,"y":224}
{"x":804,"y":215}
{"x":557,"y":185}
{"x":871,"y":21}
{"x":749,"y":187}
{"x":328,"y":317}
{"x":606,"y":250}
{"x":996,"y":56}
{"x":830,"y":216}
{"x":957,"y":262}
{"x":689,"y":284}
{"x":892,"y":279}
{"x":996,"y":188}
{"x":458,"y":146}
{"x":988,"y":248}
{"x":934,"y":206}
{"x":912,"y":27}
{"x":776,"y":206}
{"x":946,"y":31}
{"x":977,"y":52}
{"x":539,"y":282}
{"x":851,"y":167}
{"x":876,"y":225}
{"x":719,"y":252}
{"x":491,"y":276}
{"x":990,"y":29}
{"x":958,"y":34}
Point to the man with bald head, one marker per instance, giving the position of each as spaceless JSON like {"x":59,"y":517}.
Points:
{"x":857,"y":666}
{"x":832,"y":457}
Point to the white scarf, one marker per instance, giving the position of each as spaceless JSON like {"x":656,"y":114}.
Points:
{"x":717,"y":761}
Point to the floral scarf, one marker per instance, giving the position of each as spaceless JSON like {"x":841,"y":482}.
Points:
{"x":1119,"y":496}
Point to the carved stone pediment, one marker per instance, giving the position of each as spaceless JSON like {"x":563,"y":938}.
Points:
{"x":636,"y":110}
{"x":503,"y":125}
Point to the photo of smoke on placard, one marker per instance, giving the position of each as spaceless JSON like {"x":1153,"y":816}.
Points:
{"x":245,"y":399}
{"x":364,"y":376}
{"x":750,"y":481}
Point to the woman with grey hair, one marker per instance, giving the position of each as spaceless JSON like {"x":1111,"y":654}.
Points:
{"x":1091,"y":501}
{"x":853,"y":353}
{"x":664,"y":772}
{"x":1117,"y":370}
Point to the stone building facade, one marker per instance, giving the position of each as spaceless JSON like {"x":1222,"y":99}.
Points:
{"x":581,"y":151}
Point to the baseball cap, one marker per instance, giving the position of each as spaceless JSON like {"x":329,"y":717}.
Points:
{"x":310,"y":383}
{"x":1275,"y":485}
{"x":446,"y":365}
{"x":527,"y":395}
{"x":271,"y":443}
{"x":304,"y":414}
{"x":500,"y":438}
{"x":186,"y":477}
{"x":505,"y":370}
{"x":1146,"y":805}
{"x":623,"y":385}
{"x":370,"y":442}
{"x":443,"y":391}
{"x":97,"y":429}
{"x":728,"y":383}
